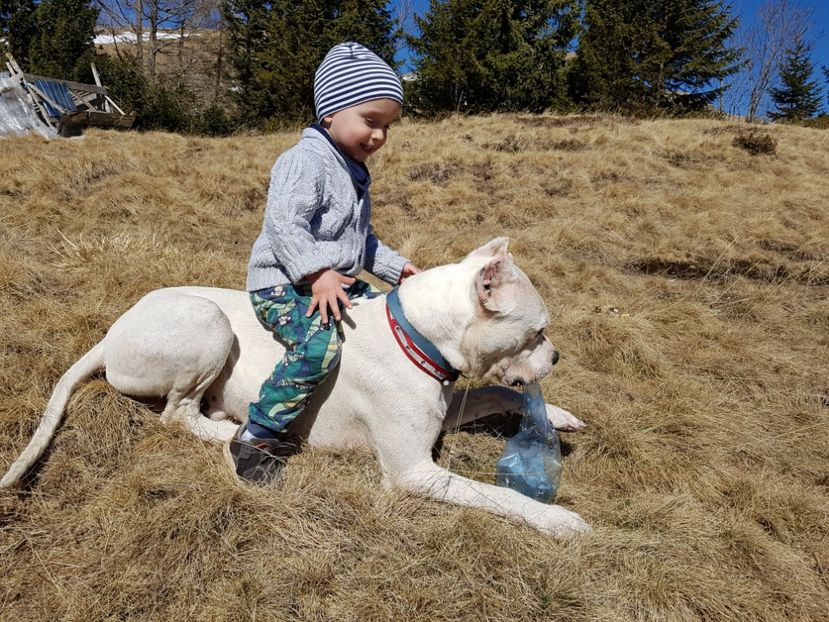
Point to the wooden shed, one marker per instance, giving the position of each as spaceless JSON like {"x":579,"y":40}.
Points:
{"x":68,"y":106}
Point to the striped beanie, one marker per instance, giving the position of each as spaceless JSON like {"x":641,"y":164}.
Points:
{"x":351,"y":74}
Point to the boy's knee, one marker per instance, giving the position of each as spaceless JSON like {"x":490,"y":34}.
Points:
{"x":324,"y":348}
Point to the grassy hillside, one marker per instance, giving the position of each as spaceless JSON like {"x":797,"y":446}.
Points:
{"x":688,"y":282}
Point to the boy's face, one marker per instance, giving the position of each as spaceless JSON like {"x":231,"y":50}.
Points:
{"x":362,"y":129}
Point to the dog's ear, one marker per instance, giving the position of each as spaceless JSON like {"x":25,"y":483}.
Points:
{"x":492,"y":284}
{"x":496,"y":247}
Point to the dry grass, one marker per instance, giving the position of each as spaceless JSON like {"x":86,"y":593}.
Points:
{"x":688,"y":282}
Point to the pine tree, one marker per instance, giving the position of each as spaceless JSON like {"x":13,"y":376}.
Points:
{"x":605,"y":74}
{"x":63,"y":45}
{"x":277,"y":46}
{"x":798,"y":96}
{"x":18,"y":27}
{"x":644,"y":56}
{"x":246,"y":25}
{"x":491,"y":55}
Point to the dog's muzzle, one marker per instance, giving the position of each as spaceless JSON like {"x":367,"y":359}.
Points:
{"x":514,"y":381}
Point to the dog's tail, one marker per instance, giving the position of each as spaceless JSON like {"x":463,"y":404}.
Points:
{"x":88,"y":364}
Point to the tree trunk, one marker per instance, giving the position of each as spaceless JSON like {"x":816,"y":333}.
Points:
{"x":139,"y":34}
{"x":181,"y":68}
{"x":153,"y":38}
{"x":218,"y":83}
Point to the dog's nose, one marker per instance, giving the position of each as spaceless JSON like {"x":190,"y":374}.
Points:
{"x":555,"y":357}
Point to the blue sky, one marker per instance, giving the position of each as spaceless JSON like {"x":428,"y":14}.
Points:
{"x":819,"y":33}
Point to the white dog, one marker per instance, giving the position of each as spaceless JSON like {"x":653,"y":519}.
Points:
{"x":197,"y":344}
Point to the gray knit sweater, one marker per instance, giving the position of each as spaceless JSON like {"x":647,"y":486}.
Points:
{"x":313,"y":220}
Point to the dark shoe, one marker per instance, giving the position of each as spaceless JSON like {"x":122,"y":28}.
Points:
{"x":258,"y":461}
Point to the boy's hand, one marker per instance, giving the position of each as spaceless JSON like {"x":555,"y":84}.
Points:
{"x":408,"y":270}
{"x":326,"y":289}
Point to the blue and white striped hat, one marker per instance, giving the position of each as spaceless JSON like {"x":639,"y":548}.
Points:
{"x":351,"y":74}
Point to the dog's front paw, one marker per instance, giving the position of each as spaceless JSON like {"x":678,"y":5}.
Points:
{"x":562,"y":523}
{"x":563,"y":420}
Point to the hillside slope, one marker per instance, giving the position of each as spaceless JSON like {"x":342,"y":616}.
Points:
{"x":688,"y":283}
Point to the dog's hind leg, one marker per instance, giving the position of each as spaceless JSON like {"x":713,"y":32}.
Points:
{"x":479,"y":403}
{"x":174,"y":345}
{"x":185,"y":409}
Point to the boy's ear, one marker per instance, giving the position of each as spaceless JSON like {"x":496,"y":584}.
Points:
{"x":326,"y":121}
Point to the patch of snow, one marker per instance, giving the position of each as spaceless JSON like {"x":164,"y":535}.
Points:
{"x":130,"y":37}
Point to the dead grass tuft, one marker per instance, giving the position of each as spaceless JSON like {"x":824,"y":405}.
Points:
{"x":756,"y":143}
{"x":687,"y":282}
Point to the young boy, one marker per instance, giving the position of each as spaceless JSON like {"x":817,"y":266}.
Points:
{"x":315,"y":239}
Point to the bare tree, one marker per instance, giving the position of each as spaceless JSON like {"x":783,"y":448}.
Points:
{"x":184,"y":41}
{"x":163,"y":22}
{"x":777,"y":25}
{"x":121,"y":16}
{"x":405,"y":17}
{"x":171,"y":22}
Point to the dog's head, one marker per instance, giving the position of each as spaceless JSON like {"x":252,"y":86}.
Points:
{"x":505,"y":341}
{"x":484,"y":316}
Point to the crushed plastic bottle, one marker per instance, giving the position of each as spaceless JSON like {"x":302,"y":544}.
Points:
{"x":531,"y":462}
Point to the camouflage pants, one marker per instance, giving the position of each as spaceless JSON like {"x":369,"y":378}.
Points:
{"x":313,"y":351}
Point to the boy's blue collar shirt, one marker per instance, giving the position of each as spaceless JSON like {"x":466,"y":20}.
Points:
{"x":358,"y":170}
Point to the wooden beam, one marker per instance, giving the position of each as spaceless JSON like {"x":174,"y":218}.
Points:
{"x":96,"y":118}
{"x":95,"y":75}
{"x":12,"y":64}
{"x":77,"y":86}
{"x":111,"y":102}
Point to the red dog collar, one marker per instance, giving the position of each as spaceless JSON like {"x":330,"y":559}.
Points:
{"x":407,"y":342}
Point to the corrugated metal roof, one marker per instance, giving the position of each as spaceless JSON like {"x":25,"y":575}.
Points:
{"x":58,"y":93}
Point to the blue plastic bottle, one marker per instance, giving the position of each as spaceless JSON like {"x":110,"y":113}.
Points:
{"x":531,"y":462}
